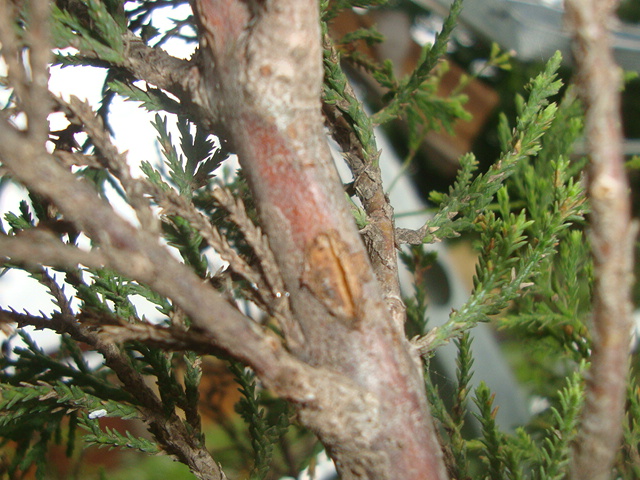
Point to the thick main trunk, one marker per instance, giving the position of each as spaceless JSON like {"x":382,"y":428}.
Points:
{"x":265,"y":84}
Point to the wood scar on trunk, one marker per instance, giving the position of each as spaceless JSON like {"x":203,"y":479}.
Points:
{"x":333,"y":274}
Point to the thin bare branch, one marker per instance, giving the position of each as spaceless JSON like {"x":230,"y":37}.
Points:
{"x":181,"y":78}
{"x":111,"y":158}
{"x":37,"y":247}
{"x":162,"y":337}
{"x":379,"y":235}
{"x":38,"y":103}
{"x":611,"y":238}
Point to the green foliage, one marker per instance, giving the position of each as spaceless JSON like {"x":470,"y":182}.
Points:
{"x":152,"y":99}
{"x":94,"y":30}
{"x":525,"y":215}
{"x":628,"y":466}
{"x":39,"y":393}
{"x":337,"y":91}
{"x":193,"y":170}
{"x":400,"y":99}
{"x":265,"y":427}
{"x":564,"y":422}
{"x":492,"y":439}
{"x":513,"y":246}
{"x":470,"y":196}
{"x":414,"y":99}
{"x":418,"y":261}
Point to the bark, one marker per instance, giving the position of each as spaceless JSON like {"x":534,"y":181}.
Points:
{"x":264,"y":79}
{"x":611,"y":238}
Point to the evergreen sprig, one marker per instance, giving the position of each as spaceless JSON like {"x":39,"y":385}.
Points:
{"x":628,"y":465}
{"x":470,"y":196}
{"x":188,"y":241}
{"x":264,"y":430}
{"x":337,"y":91}
{"x":428,"y":111}
{"x":93,"y":30}
{"x":418,"y":261}
{"x":152,"y":99}
{"x":194,"y":167}
{"x":511,"y":255}
{"x":34,"y":414}
{"x":111,"y":438}
{"x":492,"y":439}
{"x":431,"y":55}
{"x":555,"y":452}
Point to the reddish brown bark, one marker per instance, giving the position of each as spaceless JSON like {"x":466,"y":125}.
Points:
{"x":266,"y":84}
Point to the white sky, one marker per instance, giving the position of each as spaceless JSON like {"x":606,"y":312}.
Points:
{"x":133,"y":133}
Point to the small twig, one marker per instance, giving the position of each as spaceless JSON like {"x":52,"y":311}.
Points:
{"x":38,"y":102}
{"x":278,"y":301}
{"x":173,"y":339}
{"x":253,"y":236}
{"x":113,"y":160}
{"x":37,"y":247}
{"x":379,"y":236}
{"x":611,"y":236}
{"x":12,"y":51}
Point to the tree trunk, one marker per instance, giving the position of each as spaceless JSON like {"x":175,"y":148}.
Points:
{"x":263,"y":70}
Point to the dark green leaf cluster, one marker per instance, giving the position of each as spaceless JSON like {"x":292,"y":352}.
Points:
{"x":519,"y":456}
{"x":470,"y":196}
{"x":196,"y":167}
{"x":42,"y":396}
{"x":453,"y":415}
{"x":152,"y":99}
{"x":93,"y":27}
{"x":525,"y":214}
{"x":266,"y":427}
{"x":418,"y":261}
{"x":415,"y":99}
{"x":628,"y":466}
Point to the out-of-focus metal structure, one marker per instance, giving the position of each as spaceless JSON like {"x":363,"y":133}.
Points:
{"x":534,"y":30}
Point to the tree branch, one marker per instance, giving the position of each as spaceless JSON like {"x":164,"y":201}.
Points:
{"x":40,"y":247}
{"x":379,"y":234}
{"x":612,"y":236}
{"x":266,"y":63}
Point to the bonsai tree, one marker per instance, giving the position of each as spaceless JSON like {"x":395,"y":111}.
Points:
{"x":327,"y":356}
